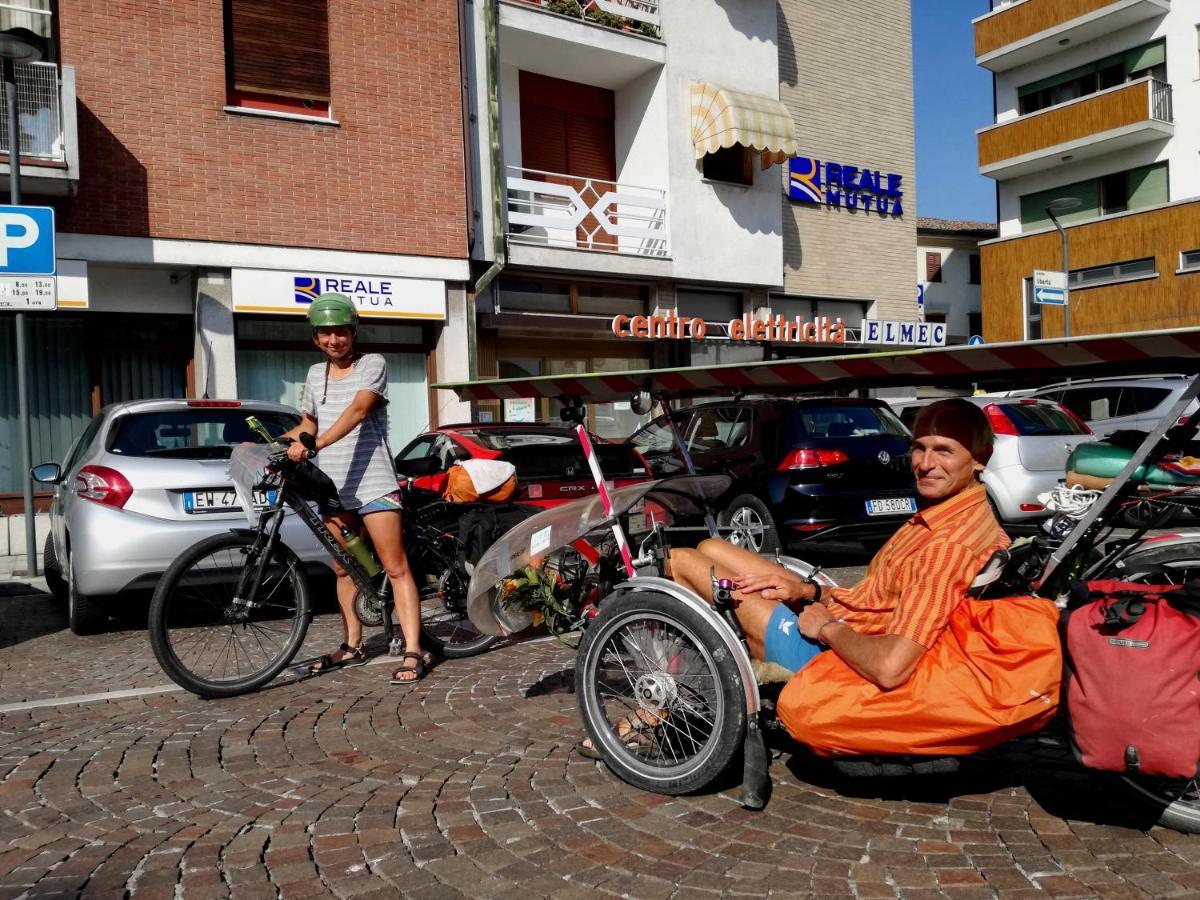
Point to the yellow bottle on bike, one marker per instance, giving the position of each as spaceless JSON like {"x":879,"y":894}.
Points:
{"x":362,"y":552}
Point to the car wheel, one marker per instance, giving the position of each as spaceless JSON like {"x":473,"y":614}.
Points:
{"x":55,"y":580}
{"x":84,"y":615}
{"x":752,"y":523}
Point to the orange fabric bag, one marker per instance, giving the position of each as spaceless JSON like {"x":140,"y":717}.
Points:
{"x":461,"y":489}
{"x":993,"y":675}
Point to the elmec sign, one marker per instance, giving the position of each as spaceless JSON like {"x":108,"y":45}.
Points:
{"x":837,"y":184}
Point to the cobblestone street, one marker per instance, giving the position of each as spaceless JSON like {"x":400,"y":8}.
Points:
{"x":468,"y":784}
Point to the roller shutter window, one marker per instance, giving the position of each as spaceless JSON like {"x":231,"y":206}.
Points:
{"x":277,"y":55}
{"x":568,"y":131}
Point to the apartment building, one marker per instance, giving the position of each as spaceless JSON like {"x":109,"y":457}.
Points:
{"x":213,"y":167}
{"x":1097,"y":112}
{"x":632,"y":149}
{"x":949,"y":274}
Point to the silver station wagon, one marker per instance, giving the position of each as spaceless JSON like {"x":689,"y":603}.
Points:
{"x":145,"y":481}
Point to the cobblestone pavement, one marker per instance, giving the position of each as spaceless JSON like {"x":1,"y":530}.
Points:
{"x":468,"y":785}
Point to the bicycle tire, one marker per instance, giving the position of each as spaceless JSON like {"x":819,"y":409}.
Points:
{"x":189,"y":593}
{"x":445,"y":631}
{"x":1160,"y":562}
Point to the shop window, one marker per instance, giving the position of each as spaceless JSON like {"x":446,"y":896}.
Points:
{"x":277,"y":56}
{"x":851,"y":312}
{"x":938,"y":318}
{"x":711,"y":306}
{"x":538,"y":296}
{"x":1096,"y":276}
{"x":730,"y":164}
{"x":975,"y":276}
{"x":933,"y":267}
{"x":612,"y":299}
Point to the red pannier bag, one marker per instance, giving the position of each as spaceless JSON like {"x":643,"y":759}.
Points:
{"x":1133,"y":664}
{"x":993,"y":675}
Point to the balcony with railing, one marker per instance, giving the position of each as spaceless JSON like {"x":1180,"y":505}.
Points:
{"x":1016,"y":33}
{"x":635,"y":16}
{"x":48,"y":141}
{"x":1137,"y":112}
{"x":553,"y":211}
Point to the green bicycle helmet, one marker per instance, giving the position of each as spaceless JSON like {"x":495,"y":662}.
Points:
{"x":332,"y":310}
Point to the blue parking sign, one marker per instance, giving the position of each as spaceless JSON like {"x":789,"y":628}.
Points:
{"x":26,"y":240}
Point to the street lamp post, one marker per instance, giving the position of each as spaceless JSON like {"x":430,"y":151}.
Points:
{"x":1063,"y":204}
{"x":20,"y":45}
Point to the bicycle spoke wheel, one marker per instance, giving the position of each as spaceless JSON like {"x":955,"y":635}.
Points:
{"x":214,"y":643}
{"x":1176,"y":800}
{"x":444,"y":623}
{"x":659,"y":693}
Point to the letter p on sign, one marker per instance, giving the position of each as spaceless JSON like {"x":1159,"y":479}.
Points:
{"x":26,"y":240}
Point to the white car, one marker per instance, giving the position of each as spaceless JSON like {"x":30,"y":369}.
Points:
{"x":1033,"y":440}
{"x":1116,"y":404}
{"x":145,"y":481}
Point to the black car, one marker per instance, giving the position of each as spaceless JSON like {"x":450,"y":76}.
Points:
{"x":803,"y":468}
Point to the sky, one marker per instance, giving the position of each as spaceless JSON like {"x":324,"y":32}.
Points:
{"x":953,"y":98}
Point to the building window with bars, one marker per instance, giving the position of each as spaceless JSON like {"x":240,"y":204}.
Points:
{"x":277,"y":56}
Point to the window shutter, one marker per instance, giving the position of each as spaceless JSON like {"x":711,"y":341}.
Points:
{"x":543,"y":138}
{"x":591,"y":147}
{"x":933,"y":267}
{"x":280,"y":47}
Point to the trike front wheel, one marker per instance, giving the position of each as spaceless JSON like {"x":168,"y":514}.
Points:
{"x":1175,"y":800}
{"x":214,"y":643}
{"x":660,"y":694}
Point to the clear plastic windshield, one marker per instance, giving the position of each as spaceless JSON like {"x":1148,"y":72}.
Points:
{"x":532,"y":540}
{"x":247,"y":469}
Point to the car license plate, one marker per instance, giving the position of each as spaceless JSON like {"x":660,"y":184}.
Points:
{"x":891,"y":506}
{"x":199,"y":502}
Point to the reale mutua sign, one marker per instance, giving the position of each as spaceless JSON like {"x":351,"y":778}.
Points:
{"x":838,"y":184}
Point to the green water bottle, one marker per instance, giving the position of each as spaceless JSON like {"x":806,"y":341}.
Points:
{"x":362,"y":552}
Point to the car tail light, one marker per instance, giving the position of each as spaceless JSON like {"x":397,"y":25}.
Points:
{"x":101,"y":484}
{"x":1001,"y":423}
{"x":816,"y":526}
{"x":1032,"y":507}
{"x":215,"y":404}
{"x":812,"y":459}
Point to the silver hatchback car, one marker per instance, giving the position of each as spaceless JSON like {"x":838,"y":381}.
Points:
{"x":1033,"y":440}
{"x":145,"y":481}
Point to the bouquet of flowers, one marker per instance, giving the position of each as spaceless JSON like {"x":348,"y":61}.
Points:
{"x":535,"y":590}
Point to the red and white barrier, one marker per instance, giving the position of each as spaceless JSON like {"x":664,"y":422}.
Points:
{"x":589,"y":453}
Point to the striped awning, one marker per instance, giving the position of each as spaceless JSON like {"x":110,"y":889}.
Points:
{"x":1027,"y":362}
{"x":722,"y":118}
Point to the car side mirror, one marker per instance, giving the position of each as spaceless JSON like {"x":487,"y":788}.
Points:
{"x":420,"y":467}
{"x":48,"y":473}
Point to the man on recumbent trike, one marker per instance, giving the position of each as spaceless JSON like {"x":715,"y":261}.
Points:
{"x":913,"y":667}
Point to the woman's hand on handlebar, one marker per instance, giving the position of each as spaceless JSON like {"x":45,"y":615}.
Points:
{"x":303,"y":448}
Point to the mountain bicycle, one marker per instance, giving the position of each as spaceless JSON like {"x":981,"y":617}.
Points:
{"x":230,"y":614}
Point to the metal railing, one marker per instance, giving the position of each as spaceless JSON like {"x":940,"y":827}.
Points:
{"x":39,"y":113}
{"x":1160,"y":101}
{"x":643,"y":11}
{"x":551,"y":209}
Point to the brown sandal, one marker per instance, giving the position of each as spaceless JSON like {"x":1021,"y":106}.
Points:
{"x":352,"y":658}
{"x":419,"y":671}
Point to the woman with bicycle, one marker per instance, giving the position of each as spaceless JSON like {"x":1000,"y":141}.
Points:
{"x":345,"y":407}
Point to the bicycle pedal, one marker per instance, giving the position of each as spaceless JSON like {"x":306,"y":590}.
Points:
{"x":396,"y":647}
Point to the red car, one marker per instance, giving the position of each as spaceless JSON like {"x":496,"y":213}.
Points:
{"x":551,"y":468}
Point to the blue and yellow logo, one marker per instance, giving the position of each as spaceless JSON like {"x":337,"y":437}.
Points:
{"x":308,"y":288}
{"x":804,"y":180}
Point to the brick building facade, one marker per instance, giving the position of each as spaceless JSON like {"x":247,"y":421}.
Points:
{"x":218,"y":161}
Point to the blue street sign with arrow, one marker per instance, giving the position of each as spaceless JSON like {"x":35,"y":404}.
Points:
{"x":1050,"y":296}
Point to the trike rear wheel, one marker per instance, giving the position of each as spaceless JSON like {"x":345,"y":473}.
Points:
{"x":1176,"y":800}
{"x":212,"y":642}
{"x":660,"y":694}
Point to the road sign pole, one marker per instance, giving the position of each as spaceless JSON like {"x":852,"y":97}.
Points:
{"x":25,"y":426}
{"x":1066,"y":287}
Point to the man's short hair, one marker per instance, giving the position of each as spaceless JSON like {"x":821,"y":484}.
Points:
{"x":959,"y":419}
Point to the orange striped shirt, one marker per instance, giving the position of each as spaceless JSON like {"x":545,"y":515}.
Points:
{"x":922,"y":573}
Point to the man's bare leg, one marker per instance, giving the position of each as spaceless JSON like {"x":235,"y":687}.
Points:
{"x":694,"y":569}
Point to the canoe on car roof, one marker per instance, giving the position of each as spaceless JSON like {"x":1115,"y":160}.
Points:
{"x":1175,"y":351}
